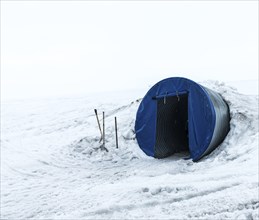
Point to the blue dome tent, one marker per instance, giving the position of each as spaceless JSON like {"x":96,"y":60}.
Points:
{"x":177,"y":115}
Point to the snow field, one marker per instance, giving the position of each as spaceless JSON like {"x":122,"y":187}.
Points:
{"x":52,"y":165}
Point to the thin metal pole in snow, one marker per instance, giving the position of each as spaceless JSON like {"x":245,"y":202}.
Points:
{"x":95,"y":110}
{"x":116,"y":133}
{"x":103,"y":130}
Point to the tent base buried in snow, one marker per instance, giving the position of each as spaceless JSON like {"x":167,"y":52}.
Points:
{"x":178,"y":115}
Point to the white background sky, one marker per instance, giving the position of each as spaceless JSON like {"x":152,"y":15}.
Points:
{"x":66,"y":48}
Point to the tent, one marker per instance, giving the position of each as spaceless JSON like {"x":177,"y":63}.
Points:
{"x":178,"y":115}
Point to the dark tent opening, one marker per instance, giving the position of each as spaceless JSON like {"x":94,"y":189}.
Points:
{"x":172,"y":125}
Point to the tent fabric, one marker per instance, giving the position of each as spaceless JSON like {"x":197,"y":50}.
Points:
{"x":176,"y":110}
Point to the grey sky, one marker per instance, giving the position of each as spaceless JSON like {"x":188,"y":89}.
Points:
{"x":61,"y":48}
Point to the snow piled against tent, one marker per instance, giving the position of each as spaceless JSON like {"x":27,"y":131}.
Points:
{"x":53,"y":166}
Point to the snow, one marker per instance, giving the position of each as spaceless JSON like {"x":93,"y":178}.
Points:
{"x":52,"y":166}
{"x":248,"y":87}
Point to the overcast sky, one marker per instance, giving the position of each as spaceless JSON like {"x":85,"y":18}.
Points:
{"x":66,"y":48}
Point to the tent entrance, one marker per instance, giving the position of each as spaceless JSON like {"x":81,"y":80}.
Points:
{"x":172,"y":125}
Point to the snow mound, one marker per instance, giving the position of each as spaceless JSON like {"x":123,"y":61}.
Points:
{"x":54,"y":166}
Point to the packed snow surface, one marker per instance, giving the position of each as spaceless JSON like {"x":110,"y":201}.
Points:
{"x":52,"y":165}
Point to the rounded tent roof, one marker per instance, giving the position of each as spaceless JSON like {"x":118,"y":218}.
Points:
{"x":206,"y":114}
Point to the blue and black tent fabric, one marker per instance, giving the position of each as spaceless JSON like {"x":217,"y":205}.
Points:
{"x":178,"y":115}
